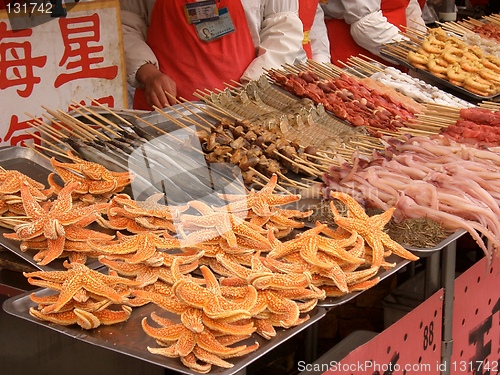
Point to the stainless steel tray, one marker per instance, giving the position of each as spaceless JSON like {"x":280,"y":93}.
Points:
{"x":37,"y":167}
{"x":128,"y":338}
{"x":424,"y":252}
{"x":383,"y":274}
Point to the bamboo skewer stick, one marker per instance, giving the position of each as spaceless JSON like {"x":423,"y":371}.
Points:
{"x":102,"y":118}
{"x":72,"y":131}
{"x":34,"y":135}
{"x":69,"y":122}
{"x":46,"y":149}
{"x":91,"y":129}
{"x":112,"y":113}
{"x":45,"y":129}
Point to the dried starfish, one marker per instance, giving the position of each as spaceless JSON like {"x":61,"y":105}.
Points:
{"x":12,"y":180}
{"x":85,"y":319}
{"x":60,"y":221}
{"x":371,"y":228}
{"x":259,"y":202}
{"x":181,"y":342}
{"x":227,"y":225}
{"x":76,"y":278}
{"x":90,"y":175}
{"x":210,"y":298}
{"x":143,"y":245}
{"x":308,"y":243}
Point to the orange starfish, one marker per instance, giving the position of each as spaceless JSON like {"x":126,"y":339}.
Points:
{"x":210,"y":298}
{"x":371,"y":228}
{"x":60,"y":221}
{"x":226,"y":224}
{"x":259,"y":202}
{"x":79,"y":277}
{"x":144,"y":245}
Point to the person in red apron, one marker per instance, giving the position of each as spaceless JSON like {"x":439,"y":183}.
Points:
{"x":315,"y":43}
{"x":190,"y":45}
{"x":307,"y":12}
{"x":362,"y":27}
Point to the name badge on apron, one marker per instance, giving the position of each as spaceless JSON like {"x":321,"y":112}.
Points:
{"x":210,"y":30}
{"x":201,"y":11}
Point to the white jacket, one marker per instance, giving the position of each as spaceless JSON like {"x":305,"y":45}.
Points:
{"x":274,"y":25}
{"x":369,"y":28}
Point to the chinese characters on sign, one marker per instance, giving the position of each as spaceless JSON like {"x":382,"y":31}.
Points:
{"x":72,"y":58}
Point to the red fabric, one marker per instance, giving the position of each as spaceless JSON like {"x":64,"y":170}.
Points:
{"x":422,"y":3}
{"x":343,"y":46}
{"x":395,"y":11}
{"x":192,"y":63}
{"x":307,"y":11}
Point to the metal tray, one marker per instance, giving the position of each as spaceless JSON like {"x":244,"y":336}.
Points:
{"x":424,"y":252}
{"x":128,"y":338}
{"x":439,"y":81}
{"x":383,"y":274}
{"x":37,"y":167}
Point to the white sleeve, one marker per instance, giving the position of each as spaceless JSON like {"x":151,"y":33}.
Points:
{"x":320,"y":44}
{"x":280,"y":36}
{"x":414,"y":19}
{"x":373,"y":30}
{"x":135,"y":17}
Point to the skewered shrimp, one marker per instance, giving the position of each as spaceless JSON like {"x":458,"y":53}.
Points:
{"x":431,"y":47}
{"x":477,"y":83}
{"x":471,"y":66}
{"x":491,"y":62}
{"x":417,"y":58}
{"x":489,"y":75}
{"x":437,"y":65}
{"x":455,"y":73}
{"x":451,"y":57}
{"x":439,"y":34}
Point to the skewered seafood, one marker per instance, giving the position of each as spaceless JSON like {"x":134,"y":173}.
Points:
{"x":463,"y":65}
{"x":348,"y":99}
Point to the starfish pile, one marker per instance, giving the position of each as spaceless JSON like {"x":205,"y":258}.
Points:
{"x":124,"y":213}
{"x":11,"y":202}
{"x":267,"y":279}
{"x":84,"y":297}
{"x":95,"y":180}
{"x":212,"y":318}
{"x":57,"y":225}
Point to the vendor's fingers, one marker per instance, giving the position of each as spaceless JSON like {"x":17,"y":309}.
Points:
{"x":153,"y":100}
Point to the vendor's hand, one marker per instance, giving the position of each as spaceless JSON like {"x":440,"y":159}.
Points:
{"x":155,"y":84}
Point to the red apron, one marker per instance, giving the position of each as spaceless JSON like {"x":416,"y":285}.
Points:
{"x":191,"y":62}
{"x":307,"y":12}
{"x":343,"y":46}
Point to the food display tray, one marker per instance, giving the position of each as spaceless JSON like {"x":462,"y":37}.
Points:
{"x":424,"y":252}
{"x":35,"y":166}
{"x":383,"y":274}
{"x":128,"y":338}
{"x":426,"y":75}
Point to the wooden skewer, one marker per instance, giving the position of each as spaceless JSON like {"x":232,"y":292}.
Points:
{"x":41,"y":153}
{"x":112,"y":113}
{"x":74,"y":132}
{"x":102,"y":118}
{"x":90,"y":128}
{"x":183,"y":105}
{"x":70,"y":122}
{"x":44,"y":128}
{"x":266,"y":179}
{"x":34,"y":135}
